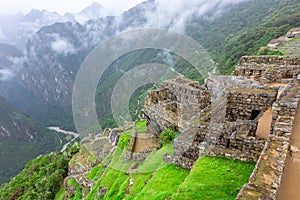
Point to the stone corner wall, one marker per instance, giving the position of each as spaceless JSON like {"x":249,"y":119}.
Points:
{"x":265,"y":180}
{"x":173,"y":105}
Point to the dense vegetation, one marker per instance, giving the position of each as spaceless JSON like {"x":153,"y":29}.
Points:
{"x":42,"y":177}
{"x":167,"y":137}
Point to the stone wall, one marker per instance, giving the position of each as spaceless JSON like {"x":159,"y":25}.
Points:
{"x":248,"y":103}
{"x":268,"y":69}
{"x":232,"y":140}
{"x":175,"y":104}
{"x":266,"y":177}
{"x":140,"y":146}
{"x":229,"y":124}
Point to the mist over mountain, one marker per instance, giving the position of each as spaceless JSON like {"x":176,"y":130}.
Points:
{"x":54,"y":53}
{"x":17,"y":29}
{"x":8,"y":57}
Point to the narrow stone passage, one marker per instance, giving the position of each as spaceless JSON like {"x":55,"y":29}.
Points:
{"x":264,"y":124}
{"x":290,"y":184}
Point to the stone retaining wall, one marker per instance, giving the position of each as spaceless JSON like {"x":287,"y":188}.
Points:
{"x":244,"y":103}
{"x":266,"y":177}
{"x":268,"y":69}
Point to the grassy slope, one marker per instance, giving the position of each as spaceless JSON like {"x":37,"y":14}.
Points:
{"x":211,"y":178}
{"x":215,"y":178}
{"x":163,"y":183}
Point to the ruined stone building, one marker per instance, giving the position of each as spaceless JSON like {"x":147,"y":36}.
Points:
{"x":247,"y":116}
{"x":228,"y":121}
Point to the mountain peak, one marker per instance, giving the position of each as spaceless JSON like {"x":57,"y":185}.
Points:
{"x":94,"y":11}
{"x":93,"y":8}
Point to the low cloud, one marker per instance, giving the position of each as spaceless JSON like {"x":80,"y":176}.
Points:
{"x":62,"y":46}
{"x":175,"y":14}
{"x":2,"y":36}
{"x":167,"y":57}
{"x":6,"y":74}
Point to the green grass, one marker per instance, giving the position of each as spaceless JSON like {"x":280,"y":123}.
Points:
{"x":164,"y":183}
{"x":116,"y":179}
{"x":124,"y":141}
{"x":61,"y":194}
{"x":210,"y":178}
{"x":78,"y":195}
{"x":118,"y":162}
{"x":139,"y":182}
{"x":95,"y":171}
{"x":215,"y":178}
{"x":155,"y":160}
{"x":141,"y":126}
{"x":113,"y":177}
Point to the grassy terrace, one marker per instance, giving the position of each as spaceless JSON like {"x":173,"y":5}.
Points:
{"x":211,"y":178}
{"x":215,"y":178}
{"x":141,"y":126}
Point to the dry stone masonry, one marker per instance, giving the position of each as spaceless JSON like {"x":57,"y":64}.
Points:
{"x":220,"y":118}
{"x":206,"y":128}
{"x":268,"y":69}
{"x":197,"y":113}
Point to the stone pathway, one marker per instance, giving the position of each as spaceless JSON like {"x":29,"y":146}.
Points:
{"x":290,"y":184}
{"x":264,"y":124}
{"x":144,"y":141}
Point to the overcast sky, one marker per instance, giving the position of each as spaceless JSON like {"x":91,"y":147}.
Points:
{"x":62,"y":6}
